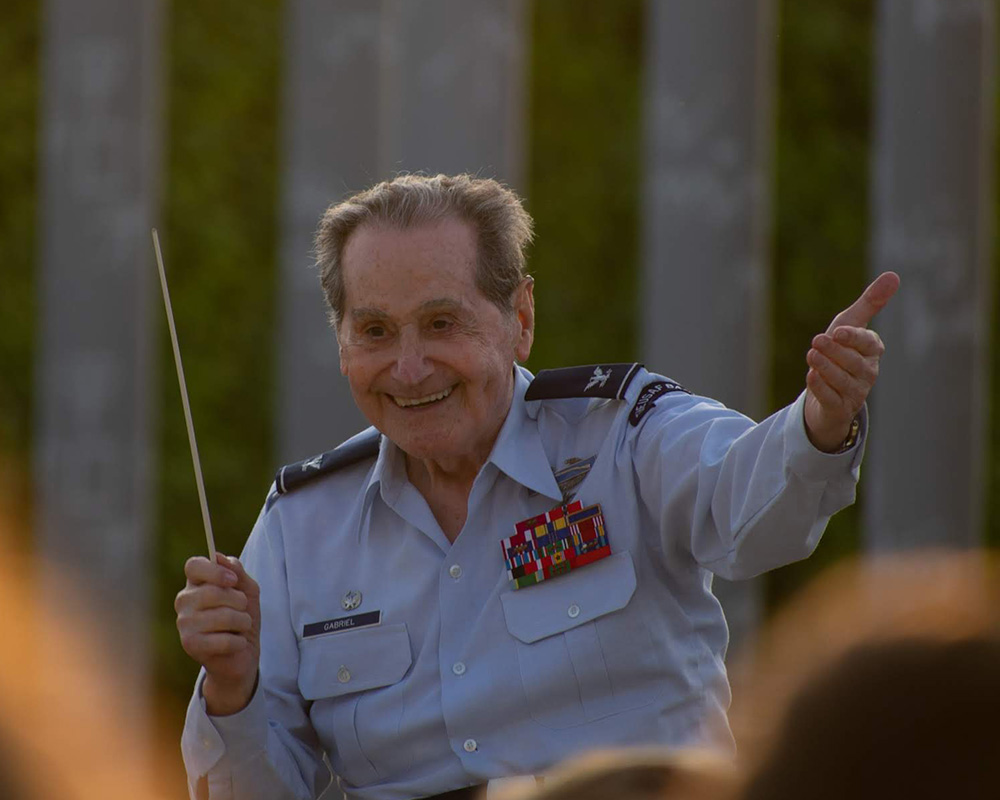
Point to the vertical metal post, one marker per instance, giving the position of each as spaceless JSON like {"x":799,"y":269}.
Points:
{"x":375,"y":88}
{"x":99,"y":162}
{"x":932,"y":206}
{"x":709,"y":88}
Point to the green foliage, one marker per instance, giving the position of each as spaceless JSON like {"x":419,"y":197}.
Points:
{"x":820,"y":208}
{"x":19,"y":92}
{"x":220,"y":204}
{"x":585,"y":152}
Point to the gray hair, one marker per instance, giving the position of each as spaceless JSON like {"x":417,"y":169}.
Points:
{"x":503,"y":229}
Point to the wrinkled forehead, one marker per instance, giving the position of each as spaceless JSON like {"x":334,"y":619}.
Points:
{"x":400,"y":270}
{"x":447,"y":239}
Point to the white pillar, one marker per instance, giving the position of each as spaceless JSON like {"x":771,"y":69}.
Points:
{"x":932,"y":210}
{"x":709,"y":87}
{"x":99,"y":158}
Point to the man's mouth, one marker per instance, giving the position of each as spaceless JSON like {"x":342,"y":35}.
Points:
{"x":414,"y":402}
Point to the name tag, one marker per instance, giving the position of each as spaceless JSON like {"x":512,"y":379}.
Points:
{"x":352,"y":623}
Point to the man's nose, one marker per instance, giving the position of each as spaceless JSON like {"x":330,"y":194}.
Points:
{"x":411,"y":365}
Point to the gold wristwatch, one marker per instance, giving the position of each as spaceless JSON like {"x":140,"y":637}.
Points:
{"x":852,"y":437}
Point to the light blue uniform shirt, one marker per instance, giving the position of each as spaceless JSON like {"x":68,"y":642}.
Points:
{"x":464,"y":679}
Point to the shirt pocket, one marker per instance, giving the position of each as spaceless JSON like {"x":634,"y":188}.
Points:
{"x":583,"y":647}
{"x":338,"y":670}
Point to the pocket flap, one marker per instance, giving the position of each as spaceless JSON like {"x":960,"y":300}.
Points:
{"x":342,"y":663}
{"x":562,"y":603}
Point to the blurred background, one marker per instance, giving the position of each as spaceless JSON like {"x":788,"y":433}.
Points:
{"x":711,"y":180}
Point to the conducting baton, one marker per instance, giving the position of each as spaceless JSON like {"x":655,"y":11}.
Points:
{"x":184,"y":400}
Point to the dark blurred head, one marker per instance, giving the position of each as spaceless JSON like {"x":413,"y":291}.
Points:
{"x":910,"y":718}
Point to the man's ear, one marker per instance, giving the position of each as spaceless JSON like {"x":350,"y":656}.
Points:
{"x":524,"y":312}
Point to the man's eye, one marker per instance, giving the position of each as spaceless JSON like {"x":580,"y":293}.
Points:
{"x":441,"y":324}
{"x":374,"y":332}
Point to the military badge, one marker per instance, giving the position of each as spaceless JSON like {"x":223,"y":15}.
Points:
{"x":558,"y":541}
{"x":572,"y":475}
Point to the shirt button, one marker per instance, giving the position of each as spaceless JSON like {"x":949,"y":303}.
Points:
{"x":470,"y":746}
{"x":458,"y":668}
{"x":455,"y":571}
{"x":574,"y":611}
{"x":343,"y":674}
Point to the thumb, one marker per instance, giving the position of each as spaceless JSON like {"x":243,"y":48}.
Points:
{"x":244,"y":583}
{"x":872,"y":300}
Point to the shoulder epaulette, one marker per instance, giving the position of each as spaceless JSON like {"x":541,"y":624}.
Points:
{"x":596,"y":380}
{"x":355,"y":449}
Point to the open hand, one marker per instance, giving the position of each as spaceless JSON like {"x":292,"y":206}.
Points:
{"x":843,"y":366}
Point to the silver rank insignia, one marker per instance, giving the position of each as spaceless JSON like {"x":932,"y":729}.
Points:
{"x":351,"y":600}
{"x":599,"y":378}
{"x":313,"y":463}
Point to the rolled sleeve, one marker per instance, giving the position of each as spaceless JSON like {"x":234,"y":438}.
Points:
{"x":812,"y":464}
{"x":202,"y":745}
{"x":212,"y":746}
{"x":245,"y":732}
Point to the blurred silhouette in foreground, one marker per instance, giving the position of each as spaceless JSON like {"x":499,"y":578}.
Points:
{"x":635,"y":774}
{"x":63,"y":732}
{"x":913,"y":718}
{"x":881,"y":680}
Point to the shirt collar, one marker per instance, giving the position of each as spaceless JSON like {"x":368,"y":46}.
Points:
{"x":389,"y":474}
{"x":517,"y":452}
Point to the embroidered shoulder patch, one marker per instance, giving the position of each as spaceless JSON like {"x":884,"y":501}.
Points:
{"x":648,"y":397}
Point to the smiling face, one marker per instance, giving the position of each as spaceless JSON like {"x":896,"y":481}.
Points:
{"x":429,"y":358}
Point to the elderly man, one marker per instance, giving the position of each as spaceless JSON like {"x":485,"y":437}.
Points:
{"x":503,"y":570}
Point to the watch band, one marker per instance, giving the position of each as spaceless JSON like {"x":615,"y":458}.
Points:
{"x":852,"y":437}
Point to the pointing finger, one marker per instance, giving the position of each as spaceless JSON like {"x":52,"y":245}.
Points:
{"x":872,"y":300}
